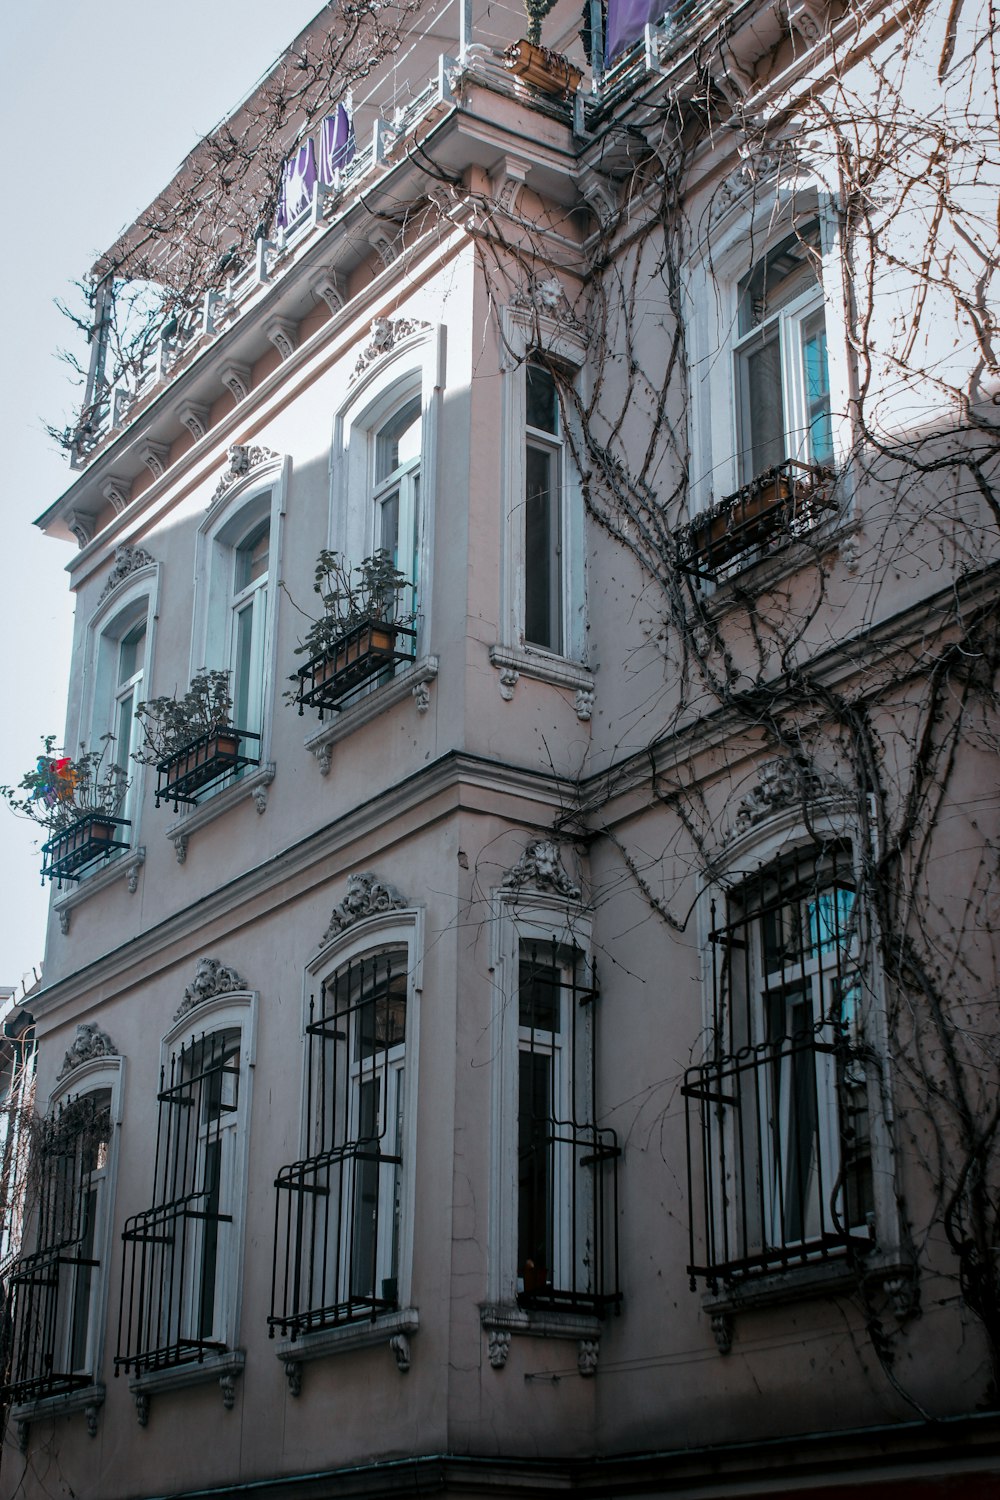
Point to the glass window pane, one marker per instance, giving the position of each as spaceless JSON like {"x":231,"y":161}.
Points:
{"x":251,"y":558}
{"x":131,"y":653}
{"x":816,"y":377}
{"x":542,"y":403}
{"x":782,"y":273}
{"x":541,"y":557}
{"x":398,"y":442}
{"x":762,"y":439}
{"x":538,"y":995}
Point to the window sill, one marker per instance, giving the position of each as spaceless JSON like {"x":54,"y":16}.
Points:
{"x":225,"y":1368}
{"x":88,"y":1399}
{"x":412,"y":682}
{"x":894,"y":1271}
{"x":760,"y":573}
{"x":513,"y":662}
{"x":501,"y":1321}
{"x":393,"y":1329}
{"x":126,"y":866}
{"x":254,"y":784}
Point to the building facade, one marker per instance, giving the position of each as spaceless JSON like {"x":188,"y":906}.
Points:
{"x":541,"y":1033}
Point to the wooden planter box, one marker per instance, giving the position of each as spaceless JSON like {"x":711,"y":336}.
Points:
{"x":545,"y":70}
{"x":195,"y":768}
{"x":92,"y":838}
{"x":333,"y":678}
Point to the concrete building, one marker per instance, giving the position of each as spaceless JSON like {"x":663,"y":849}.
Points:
{"x":556,"y":1050}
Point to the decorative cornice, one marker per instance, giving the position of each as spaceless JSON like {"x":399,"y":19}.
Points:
{"x":367,"y":896}
{"x":540,"y":868}
{"x":195,"y":417}
{"x":780,"y":783}
{"x":118,"y":491}
{"x":282,"y":333}
{"x":236,"y":379}
{"x":82,"y":525}
{"x":211,"y":978}
{"x":155,"y":456}
{"x":89,"y":1042}
{"x":129,"y":558}
{"x":545,"y":295}
{"x":386,"y":333}
{"x":330,"y":288}
{"x":242,"y":458}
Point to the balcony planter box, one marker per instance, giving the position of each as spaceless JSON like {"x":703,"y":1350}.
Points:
{"x":94,"y":836}
{"x":188,"y":773}
{"x":545,"y":70}
{"x":333,"y":678}
{"x":775,"y":506}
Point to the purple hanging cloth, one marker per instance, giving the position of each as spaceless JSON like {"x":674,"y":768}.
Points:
{"x":336,"y":144}
{"x":627,"y":20}
{"x":298,"y":178}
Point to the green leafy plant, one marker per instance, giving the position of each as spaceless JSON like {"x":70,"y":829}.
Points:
{"x":352,"y":595}
{"x":62,"y":789}
{"x":169,"y":724}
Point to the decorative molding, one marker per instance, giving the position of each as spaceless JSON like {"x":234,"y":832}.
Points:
{"x":509,"y":677}
{"x":600,"y":196}
{"x":90,"y":1412}
{"x":324,"y":757}
{"x":385,"y":334}
{"x":64,"y":918}
{"x":118,"y":490}
{"x":133,"y":865}
{"x":756,"y":165}
{"x":330,"y":288}
{"x":129,"y":558}
{"x":90,"y":1042}
{"x":179,"y":838}
{"x":422,"y":696}
{"x":780,"y":783}
{"x":211,"y":978}
{"x":224,"y":1368}
{"x":498,"y":1346}
{"x":584,"y":702}
{"x":82,"y":526}
{"x":722,"y":1329}
{"x":904,"y":1294}
{"x":547,"y":296}
{"x":191,"y":821}
{"x":587,"y":1355}
{"x":293,"y":1374}
{"x":807,"y":18}
{"x":258,"y":795}
{"x":321,"y":741}
{"x":369,"y":1334}
{"x":243,"y":457}
{"x":507,"y":184}
{"x":141,"y":1407}
{"x":282,"y":333}
{"x":155,"y":456}
{"x":367,"y":896}
{"x":236,"y":379}
{"x":540,"y":868}
{"x":195,"y":417}
{"x":227,"y":1385}
{"x":400,"y":1346}
{"x":385,"y":241}
{"x":23,"y":1431}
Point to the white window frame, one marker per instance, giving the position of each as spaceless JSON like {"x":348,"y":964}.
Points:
{"x":524,"y":919}
{"x":735,"y":244}
{"x":133,"y":602}
{"x":105,"y":1074}
{"x":523,"y":334}
{"x":396,"y":930}
{"x":765,"y":847}
{"x":415,"y":366}
{"x":232,"y":518}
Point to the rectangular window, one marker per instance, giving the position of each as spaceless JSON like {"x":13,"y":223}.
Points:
{"x":179,"y":1254}
{"x":55,"y":1292}
{"x":778,"y":1119}
{"x":337,"y":1229}
{"x":396,"y":495}
{"x":543,"y":521}
{"x":249,"y":628}
{"x":566,"y":1165}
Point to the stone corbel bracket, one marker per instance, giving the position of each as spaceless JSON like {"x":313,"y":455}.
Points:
{"x":282,"y":333}
{"x":236,"y":379}
{"x":330,"y":289}
{"x":156,"y":457}
{"x":195,"y":417}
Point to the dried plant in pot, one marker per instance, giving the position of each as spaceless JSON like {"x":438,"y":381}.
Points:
{"x":191,"y":738}
{"x":77,"y":800}
{"x":360,"y":633}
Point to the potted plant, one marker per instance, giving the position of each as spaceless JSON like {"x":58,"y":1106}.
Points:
{"x":541,"y":67}
{"x":359,"y":632}
{"x":191,"y":739}
{"x":77,"y":801}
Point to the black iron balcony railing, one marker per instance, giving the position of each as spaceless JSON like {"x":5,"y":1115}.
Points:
{"x":782,"y":503}
{"x":197,"y":768}
{"x":333,"y":1215}
{"x":778,"y":1162}
{"x":39,"y":1304}
{"x":334,"y":678}
{"x":75,"y":850}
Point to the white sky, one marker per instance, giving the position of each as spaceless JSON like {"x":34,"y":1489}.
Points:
{"x":99,"y":103}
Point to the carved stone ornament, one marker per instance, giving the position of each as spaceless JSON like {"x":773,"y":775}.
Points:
{"x":386,"y":333}
{"x":722,"y":1329}
{"x":587,"y":1354}
{"x":293,"y":1374}
{"x":400,"y":1346}
{"x":367,"y":895}
{"x":195,"y":417}
{"x":545,"y":295}
{"x":82,"y":526}
{"x":128,"y":559}
{"x":156,"y":457}
{"x":90,"y":1042}
{"x":498,"y":1346}
{"x":211,"y":978}
{"x":756,"y":165}
{"x":242,"y":458}
{"x":236,"y":379}
{"x":541,"y":869}
{"x":780,"y":783}
{"x":118,"y":490}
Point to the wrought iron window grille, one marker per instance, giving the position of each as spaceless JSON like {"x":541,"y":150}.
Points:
{"x":338,"y":1210}
{"x":50,"y":1295}
{"x":335,"y":678}
{"x":567,"y":1166}
{"x":76,"y":850}
{"x":176,"y":1252}
{"x":192,"y":772}
{"x":785,"y":502}
{"x":778,"y":1142}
